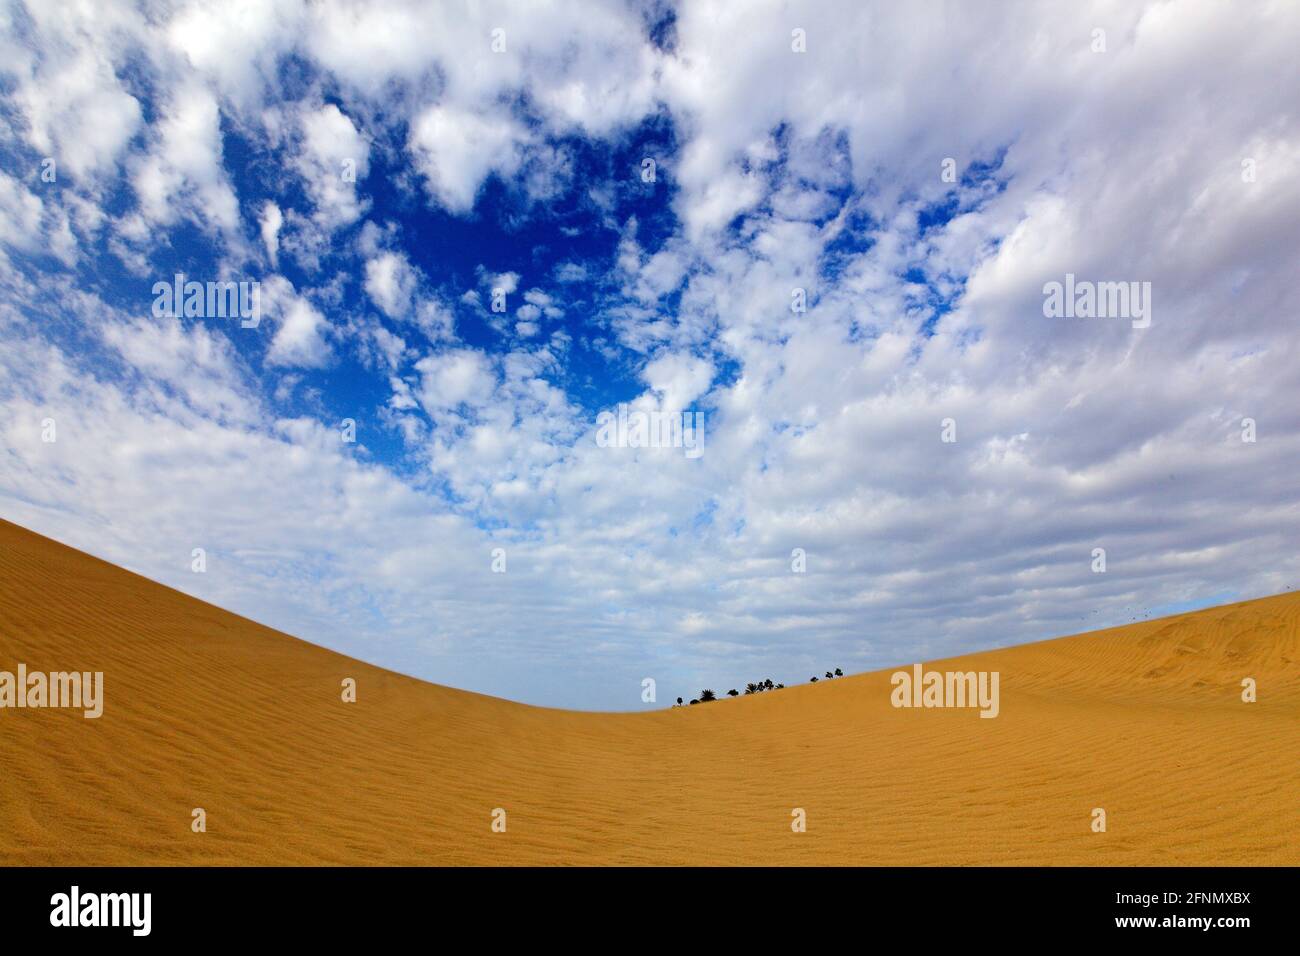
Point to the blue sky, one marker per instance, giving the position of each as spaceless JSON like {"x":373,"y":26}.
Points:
{"x":916,"y":173}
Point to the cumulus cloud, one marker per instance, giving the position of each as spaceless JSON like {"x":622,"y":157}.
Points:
{"x":679,"y":379}
{"x":455,"y":378}
{"x":390,"y":282}
{"x":205,"y":34}
{"x":334,"y":158}
{"x":20,"y":214}
{"x":302,"y":332}
{"x":68,"y":86}
{"x":199,"y":364}
{"x":269,"y":224}
{"x":457,"y":149}
{"x":182,"y":173}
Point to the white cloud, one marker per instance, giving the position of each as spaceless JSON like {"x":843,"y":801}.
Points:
{"x":29,"y":225}
{"x":571,"y":272}
{"x":448,"y":380}
{"x":390,"y":283}
{"x":69,"y":92}
{"x":197,"y":363}
{"x":545,"y":304}
{"x":270,"y":222}
{"x":237,"y":43}
{"x":183,"y":171}
{"x":335,"y":157}
{"x":456,"y":149}
{"x":20,"y":214}
{"x":679,"y":379}
{"x":302,"y":332}
{"x":506,"y":282}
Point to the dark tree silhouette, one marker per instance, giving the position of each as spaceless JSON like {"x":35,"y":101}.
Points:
{"x":779,"y":686}
{"x":733,"y":693}
{"x":707,"y":695}
{"x":679,"y":702}
{"x":829,"y":675}
{"x":838,"y":672}
{"x":751,"y":688}
{"x":814,"y":680}
{"x":768,"y":683}
{"x":695,"y":702}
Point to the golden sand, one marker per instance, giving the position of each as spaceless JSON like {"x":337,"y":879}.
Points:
{"x":207,"y":709}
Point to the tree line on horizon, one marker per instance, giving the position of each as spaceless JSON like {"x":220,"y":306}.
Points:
{"x":754,"y":687}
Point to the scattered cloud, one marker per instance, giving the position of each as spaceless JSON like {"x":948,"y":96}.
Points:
{"x":841,"y":251}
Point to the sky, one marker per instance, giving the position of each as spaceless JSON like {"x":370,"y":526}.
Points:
{"x":823,"y":230}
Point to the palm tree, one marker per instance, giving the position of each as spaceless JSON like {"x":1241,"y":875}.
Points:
{"x":751,"y":688}
{"x":768,"y":683}
{"x":838,"y":672}
{"x":707,"y":695}
{"x":814,"y":680}
{"x":829,"y":675}
{"x":733,"y":693}
{"x":779,"y":686}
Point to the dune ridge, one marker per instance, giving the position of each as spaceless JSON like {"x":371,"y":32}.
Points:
{"x":207,"y":709}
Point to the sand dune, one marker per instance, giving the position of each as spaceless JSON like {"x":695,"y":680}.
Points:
{"x":207,"y":709}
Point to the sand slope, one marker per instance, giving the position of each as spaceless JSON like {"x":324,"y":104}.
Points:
{"x":206,"y":709}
